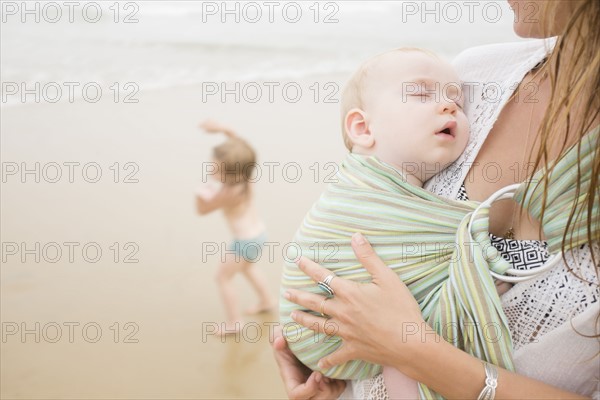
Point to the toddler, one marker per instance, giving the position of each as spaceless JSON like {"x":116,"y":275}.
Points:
{"x":229,"y":188}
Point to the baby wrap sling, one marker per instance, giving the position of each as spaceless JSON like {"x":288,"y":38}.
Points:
{"x":428,"y":242}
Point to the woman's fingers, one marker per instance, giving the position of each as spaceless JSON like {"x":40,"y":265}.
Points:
{"x":279,"y":343}
{"x":311,"y":301}
{"x":318,"y":274}
{"x":305,"y":390}
{"x":318,"y":324}
{"x":369,"y":259}
{"x":330,"y":328}
{"x":298,"y":383}
{"x":340,"y":356}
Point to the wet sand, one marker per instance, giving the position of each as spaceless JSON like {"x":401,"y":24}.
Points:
{"x":129,"y":322}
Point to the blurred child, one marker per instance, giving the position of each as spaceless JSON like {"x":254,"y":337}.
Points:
{"x":231,"y":189}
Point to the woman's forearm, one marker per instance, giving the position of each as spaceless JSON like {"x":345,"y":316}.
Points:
{"x":456,"y":374}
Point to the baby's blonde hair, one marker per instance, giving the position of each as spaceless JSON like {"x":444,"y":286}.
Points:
{"x":352,"y":96}
{"x":237,"y":161}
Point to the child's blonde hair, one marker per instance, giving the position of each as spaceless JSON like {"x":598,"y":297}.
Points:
{"x":353,"y":91}
{"x":237,"y":161}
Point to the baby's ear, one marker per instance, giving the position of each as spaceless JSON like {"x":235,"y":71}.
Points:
{"x":357,"y":129}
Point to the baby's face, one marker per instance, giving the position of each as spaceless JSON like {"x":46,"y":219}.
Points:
{"x":414,"y":110}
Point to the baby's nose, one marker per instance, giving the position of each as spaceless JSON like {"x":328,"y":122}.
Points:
{"x":448,"y":106}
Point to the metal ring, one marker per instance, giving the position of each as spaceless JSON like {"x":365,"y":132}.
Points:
{"x":512,"y":275}
{"x":328,"y":279}
{"x":322,"y":308}
{"x":324,"y":285}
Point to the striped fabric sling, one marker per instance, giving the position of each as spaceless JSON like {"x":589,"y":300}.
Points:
{"x":427,"y":241}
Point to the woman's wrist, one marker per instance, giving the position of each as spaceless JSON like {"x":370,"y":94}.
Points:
{"x":439,"y":365}
{"x":411,"y":347}
{"x":454,"y":373}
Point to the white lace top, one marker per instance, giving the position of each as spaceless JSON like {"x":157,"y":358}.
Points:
{"x":550,"y":314}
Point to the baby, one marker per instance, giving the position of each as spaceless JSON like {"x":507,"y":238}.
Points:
{"x":405,"y":107}
{"x":229,"y":188}
{"x":403,"y":123}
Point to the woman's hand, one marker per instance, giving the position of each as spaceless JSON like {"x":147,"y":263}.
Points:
{"x":377,"y":321}
{"x":300,"y":382}
{"x":381,"y":322}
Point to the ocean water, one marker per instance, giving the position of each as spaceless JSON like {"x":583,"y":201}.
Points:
{"x":158,"y":44}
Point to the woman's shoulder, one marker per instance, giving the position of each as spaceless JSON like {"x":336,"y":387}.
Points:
{"x":487,"y":62}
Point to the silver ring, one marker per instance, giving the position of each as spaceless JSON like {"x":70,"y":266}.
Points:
{"x":324,"y":285}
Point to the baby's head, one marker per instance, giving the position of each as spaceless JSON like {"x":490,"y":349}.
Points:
{"x":235,"y":161}
{"x":405,"y":107}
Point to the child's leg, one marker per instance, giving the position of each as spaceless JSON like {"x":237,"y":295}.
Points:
{"x":266,"y":302}
{"x":227,"y":270}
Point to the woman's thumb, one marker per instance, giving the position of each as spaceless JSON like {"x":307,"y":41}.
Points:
{"x":368,"y":258}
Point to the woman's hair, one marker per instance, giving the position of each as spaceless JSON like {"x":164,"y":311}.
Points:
{"x":236,"y":161}
{"x":574,"y":107}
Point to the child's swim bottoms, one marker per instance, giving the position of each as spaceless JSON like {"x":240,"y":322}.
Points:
{"x":249,"y":249}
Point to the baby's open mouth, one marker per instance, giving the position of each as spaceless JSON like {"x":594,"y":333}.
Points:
{"x":448,"y":129}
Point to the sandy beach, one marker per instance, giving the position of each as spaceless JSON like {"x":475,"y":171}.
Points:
{"x":107,"y":278}
{"x":129,"y":323}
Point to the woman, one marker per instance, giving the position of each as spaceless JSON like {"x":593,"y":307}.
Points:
{"x":553,"y":317}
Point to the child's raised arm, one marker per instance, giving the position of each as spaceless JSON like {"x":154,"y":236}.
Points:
{"x":211,"y":126}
